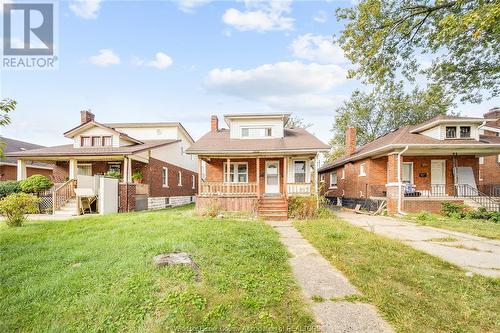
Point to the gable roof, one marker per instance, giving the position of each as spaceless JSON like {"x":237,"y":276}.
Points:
{"x":13,"y":146}
{"x":89,"y":124}
{"x":406,"y":136}
{"x":219,"y":142}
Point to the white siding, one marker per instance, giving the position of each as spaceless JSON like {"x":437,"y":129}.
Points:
{"x":237,"y":124}
{"x":172,"y":154}
{"x":97,"y":131}
{"x":150,"y":133}
{"x":434,"y":132}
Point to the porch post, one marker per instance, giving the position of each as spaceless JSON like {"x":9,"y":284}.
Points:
{"x":228,"y":174}
{"x":73,"y":168}
{"x":316,"y":179}
{"x":393,"y":185}
{"x":127,"y":178}
{"x":21,"y":169}
{"x":257,"y":179}
{"x":285,"y":176}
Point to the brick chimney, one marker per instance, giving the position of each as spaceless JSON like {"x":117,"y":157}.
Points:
{"x":214,"y":124}
{"x":86,"y":116}
{"x":350,"y":141}
{"x":493,"y":113}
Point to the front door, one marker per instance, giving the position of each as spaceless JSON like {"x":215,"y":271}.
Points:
{"x":272,"y":177}
{"x":438,"y":177}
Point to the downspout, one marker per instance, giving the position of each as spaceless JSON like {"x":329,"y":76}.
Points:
{"x":399,"y":180}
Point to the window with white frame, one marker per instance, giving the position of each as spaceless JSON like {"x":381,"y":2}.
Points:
{"x":114,"y":166}
{"x":238,"y":172}
{"x":333,"y":179}
{"x":299,"y":171}
{"x":408,"y":172}
{"x":256,"y":132}
{"x":343,"y":173}
{"x":84,"y":169}
{"x":322,"y":178}
{"x":165,"y":177}
{"x":180,"y":178}
{"x":193,"y":179}
{"x":362,"y":169}
{"x":481,"y":160}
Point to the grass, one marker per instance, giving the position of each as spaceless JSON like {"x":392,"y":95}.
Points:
{"x":96,"y":274}
{"x":414,"y":291}
{"x":483,"y":228}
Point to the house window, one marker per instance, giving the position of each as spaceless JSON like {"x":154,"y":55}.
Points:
{"x":107,"y":141}
{"x":96,"y":141}
{"x":180,"y":178}
{"x":84,"y":169}
{"x":238,"y":172}
{"x":464,"y":132}
{"x":362,"y":169}
{"x":165,"y":177}
{"x":299,"y":169}
{"x":250,"y":132}
{"x":481,"y":160}
{"x":343,"y":173}
{"x":322,"y":178}
{"x":114,"y":167}
{"x":86,"y":141}
{"x":408,"y":172}
{"x":451,"y":132}
{"x":333,"y":179}
{"x":193,"y":179}
{"x":480,"y":174}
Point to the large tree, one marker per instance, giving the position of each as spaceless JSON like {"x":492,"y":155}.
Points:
{"x":383,"y":110}
{"x":455,"y":44}
{"x":6,"y":106}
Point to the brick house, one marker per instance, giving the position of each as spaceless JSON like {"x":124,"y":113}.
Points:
{"x":413,"y":168}
{"x":8,"y":165}
{"x":489,"y":166}
{"x":256,"y":164}
{"x":157,"y":150}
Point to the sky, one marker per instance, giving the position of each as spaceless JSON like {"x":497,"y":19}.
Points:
{"x":147,"y":61}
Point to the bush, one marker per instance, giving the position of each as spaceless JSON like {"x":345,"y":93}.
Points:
{"x":113,"y":174}
{"x":302,"y":207}
{"x":212,"y":209}
{"x":15,"y":207}
{"x":450,"y":208}
{"x":425,"y":216}
{"x":35,"y":184}
{"x":9,"y":187}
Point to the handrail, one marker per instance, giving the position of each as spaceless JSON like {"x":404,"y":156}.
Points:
{"x":233,"y":189}
{"x":465,"y":190}
{"x":63,"y":194}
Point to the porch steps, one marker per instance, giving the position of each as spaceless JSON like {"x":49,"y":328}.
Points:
{"x":273,"y":208}
{"x":68,"y":209}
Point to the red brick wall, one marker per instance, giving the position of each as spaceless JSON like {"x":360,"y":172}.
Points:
{"x":490,"y":171}
{"x":9,"y":172}
{"x":419,"y":205}
{"x":153,"y":176}
{"x":126,"y":197}
{"x":61,"y":172}
{"x":354,"y":185}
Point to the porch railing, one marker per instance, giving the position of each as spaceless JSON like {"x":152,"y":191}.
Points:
{"x":467,"y":191}
{"x":492,"y":190}
{"x":222,"y":189}
{"x":63,"y":194}
{"x":299,"y":188}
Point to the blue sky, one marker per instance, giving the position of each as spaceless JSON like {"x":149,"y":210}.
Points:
{"x":183,"y":61}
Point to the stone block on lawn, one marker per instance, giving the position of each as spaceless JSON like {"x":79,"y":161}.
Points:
{"x":176,"y":258}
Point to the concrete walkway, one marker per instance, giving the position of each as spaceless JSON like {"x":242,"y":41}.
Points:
{"x":472,"y":253}
{"x":319,"y":279}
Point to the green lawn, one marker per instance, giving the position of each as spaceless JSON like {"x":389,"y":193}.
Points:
{"x":414,"y":291}
{"x":483,"y":228}
{"x":96,"y":274}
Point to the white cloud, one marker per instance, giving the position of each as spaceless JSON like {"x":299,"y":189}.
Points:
{"x":260,"y":16}
{"x":161,"y":61}
{"x":317,"y":48}
{"x":188,"y":6}
{"x":86,"y":9}
{"x":104,"y":58}
{"x":284,"y":85}
{"x":321,"y":16}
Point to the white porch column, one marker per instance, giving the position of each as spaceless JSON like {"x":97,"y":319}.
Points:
{"x":21,"y":169}
{"x":127,"y":170}
{"x":73,"y":168}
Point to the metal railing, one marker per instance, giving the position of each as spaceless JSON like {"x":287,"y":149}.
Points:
{"x":492,"y":190}
{"x":467,"y":191}
{"x":228,"y":189}
{"x":63,"y":194}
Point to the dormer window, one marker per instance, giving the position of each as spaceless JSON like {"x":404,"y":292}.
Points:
{"x":96,"y":141}
{"x":86,"y":141}
{"x":464,"y":132}
{"x":256,"y":132}
{"x":451,"y":132}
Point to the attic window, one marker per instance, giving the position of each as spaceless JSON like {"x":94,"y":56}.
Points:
{"x":464,"y":132}
{"x":261,"y":132}
{"x":451,"y":132}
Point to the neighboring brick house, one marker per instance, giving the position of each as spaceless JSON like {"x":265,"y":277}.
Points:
{"x":413,"y":168}
{"x":157,"y":150}
{"x":256,"y":164}
{"x":8,"y":165}
{"x":489,"y":166}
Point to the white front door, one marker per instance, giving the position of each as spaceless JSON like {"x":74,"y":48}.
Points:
{"x":438,"y":177}
{"x":272,"y":177}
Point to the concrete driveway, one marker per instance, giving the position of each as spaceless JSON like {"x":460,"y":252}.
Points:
{"x":472,"y":253}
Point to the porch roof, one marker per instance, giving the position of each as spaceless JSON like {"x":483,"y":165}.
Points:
{"x":295,"y":140}
{"x":70,"y":150}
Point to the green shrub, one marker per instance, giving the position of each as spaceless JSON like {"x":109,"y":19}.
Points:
{"x":424,"y":216}
{"x":137,"y":176}
{"x":16,"y":206}
{"x":302,"y":207}
{"x":448,"y":208}
{"x":9,"y":187}
{"x":495,"y":217}
{"x":113,"y":174}
{"x":35,"y":184}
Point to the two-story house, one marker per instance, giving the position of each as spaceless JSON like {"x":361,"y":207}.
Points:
{"x":413,"y":168}
{"x":256,"y":164}
{"x":157,"y":151}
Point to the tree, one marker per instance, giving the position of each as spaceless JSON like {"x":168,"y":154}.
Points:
{"x":35,"y":184}
{"x":461,"y":40}
{"x":384,"y":110}
{"x":297,"y":122}
{"x":6,"y":106}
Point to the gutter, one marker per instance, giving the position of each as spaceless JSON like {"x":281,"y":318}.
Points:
{"x":399,"y":180}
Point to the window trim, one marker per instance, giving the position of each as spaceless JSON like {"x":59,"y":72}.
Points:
{"x":179,"y":175}
{"x":342,"y":176}
{"x":412,"y":180}
{"x":322,"y":177}
{"x":164,"y":175}
{"x":481,"y":160}
{"x":267,"y":130}
{"x":305,"y":170}
{"x":334,"y":185}
{"x":224,"y":173}
{"x":446,"y":132}
{"x":362,"y":167}
{"x":193,"y":178}
{"x":460,"y":132}
{"x":104,"y":137}
{"x":84,"y":165}
{"x":82,"y":138}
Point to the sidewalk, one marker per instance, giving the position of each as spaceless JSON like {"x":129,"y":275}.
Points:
{"x":319,"y":279}
{"x":472,"y":253}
